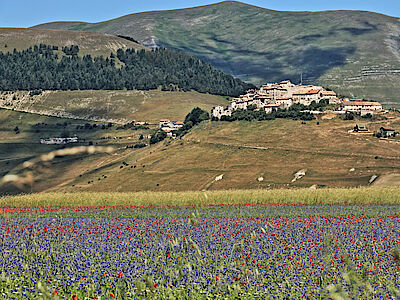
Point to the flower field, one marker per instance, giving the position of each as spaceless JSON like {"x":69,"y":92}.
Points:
{"x":235,"y":251}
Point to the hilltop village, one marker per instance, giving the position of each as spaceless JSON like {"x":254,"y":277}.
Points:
{"x":273,"y":96}
{"x":282,"y":96}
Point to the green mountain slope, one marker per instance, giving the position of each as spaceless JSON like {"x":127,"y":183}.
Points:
{"x":92,"y":43}
{"x":357,"y":53}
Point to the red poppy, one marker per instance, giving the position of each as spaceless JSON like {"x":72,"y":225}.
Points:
{"x":112,"y":295}
{"x":155,"y":285}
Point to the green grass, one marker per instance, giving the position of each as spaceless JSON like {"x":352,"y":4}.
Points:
{"x":332,"y":48}
{"x":227,"y":197}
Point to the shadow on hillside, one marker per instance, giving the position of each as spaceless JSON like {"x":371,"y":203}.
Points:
{"x":287,"y":63}
{"x":360,"y":31}
{"x":365,"y":28}
{"x":310,"y":38}
{"x":315,"y":62}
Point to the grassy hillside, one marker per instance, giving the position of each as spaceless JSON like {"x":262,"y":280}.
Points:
{"x":91,"y":43}
{"x":356,"y":53}
{"x":243,"y":152}
{"x":24,"y":144}
{"x":113,"y":106}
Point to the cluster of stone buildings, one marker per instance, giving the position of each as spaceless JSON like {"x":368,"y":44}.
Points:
{"x":282,"y":95}
{"x":169,"y":126}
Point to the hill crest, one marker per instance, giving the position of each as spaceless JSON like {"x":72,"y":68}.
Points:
{"x":92,"y":43}
{"x":217,"y":4}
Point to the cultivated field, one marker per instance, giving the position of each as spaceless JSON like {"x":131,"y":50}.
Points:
{"x":313,"y":244}
{"x":336,"y":196}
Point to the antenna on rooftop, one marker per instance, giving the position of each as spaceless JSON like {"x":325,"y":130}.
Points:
{"x":301,"y":78}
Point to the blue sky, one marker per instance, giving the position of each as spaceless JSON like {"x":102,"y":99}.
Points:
{"x":25,"y":13}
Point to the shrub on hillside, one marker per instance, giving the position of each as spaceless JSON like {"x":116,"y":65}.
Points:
{"x":139,"y":145}
{"x":348,"y":116}
{"x":35,"y":92}
{"x":158,"y":136}
{"x":196,"y":116}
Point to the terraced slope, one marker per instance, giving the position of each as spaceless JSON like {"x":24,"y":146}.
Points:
{"x":355,"y":52}
{"x":92,"y":43}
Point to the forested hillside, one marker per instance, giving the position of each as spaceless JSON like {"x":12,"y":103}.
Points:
{"x":48,"y":68}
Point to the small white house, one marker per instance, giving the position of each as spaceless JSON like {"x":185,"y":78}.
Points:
{"x":219,"y":111}
{"x":269,"y":108}
{"x":361,"y":106}
{"x":167,"y":125}
{"x":59,"y":141}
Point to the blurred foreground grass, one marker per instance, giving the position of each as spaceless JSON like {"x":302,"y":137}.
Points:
{"x":363,"y":195}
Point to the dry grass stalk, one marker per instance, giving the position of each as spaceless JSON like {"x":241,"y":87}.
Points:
{"x":23,"y":176}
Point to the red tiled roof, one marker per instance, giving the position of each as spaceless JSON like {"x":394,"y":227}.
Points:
{"x":310,"y":92}
{"x":307,"y":92}
{"x":328,"y":93}
{"x":387,"y":128}
{"x":361,"y":103}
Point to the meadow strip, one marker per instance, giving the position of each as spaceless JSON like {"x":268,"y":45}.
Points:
{"x":287,"y":196}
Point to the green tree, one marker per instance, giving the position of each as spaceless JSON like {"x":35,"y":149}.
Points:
{"x":158,"y":136}
{"x":196,"y":116}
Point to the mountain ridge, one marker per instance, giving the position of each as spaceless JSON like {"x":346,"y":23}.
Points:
{"x":216,"y":4}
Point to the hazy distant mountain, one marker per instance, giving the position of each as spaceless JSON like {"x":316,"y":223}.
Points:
{"x":354,"y":52}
